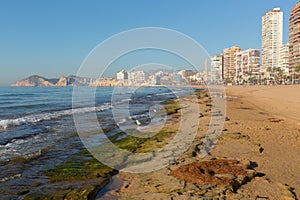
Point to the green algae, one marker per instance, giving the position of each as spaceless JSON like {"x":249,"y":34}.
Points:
{"x":82,"y":166}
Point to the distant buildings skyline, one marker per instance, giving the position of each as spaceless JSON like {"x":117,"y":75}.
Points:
{"x":160,"y":77}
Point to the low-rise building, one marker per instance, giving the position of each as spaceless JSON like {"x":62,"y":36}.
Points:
{"x":122,"y":75}
{"x":136,"y":77}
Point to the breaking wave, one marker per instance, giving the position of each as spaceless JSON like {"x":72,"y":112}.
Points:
{"x":34,"y":118}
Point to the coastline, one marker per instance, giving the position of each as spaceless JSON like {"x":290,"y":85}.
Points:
{"x":81,"y":176}
{"x":259,"y":138}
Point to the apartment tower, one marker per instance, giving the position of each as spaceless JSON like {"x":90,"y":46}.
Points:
{"x":271,"y":38}
{"x":229,"y":57}
{"x":217,"y":72}
{"x":294,"y":38}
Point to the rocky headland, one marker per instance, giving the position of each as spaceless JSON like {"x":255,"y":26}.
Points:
{"x":39,"y":81}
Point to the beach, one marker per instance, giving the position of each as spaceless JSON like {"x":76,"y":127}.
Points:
{"x":255,"y":155}
{"x":269,"y":115}
{"x":281,"y":100}
{"x":261,"y":132}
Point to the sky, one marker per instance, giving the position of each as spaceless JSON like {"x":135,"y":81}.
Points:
{"x":52,"y":38}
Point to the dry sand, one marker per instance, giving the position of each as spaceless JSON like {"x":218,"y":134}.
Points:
{"x":282,"y":101}
{"x":269,"y":115}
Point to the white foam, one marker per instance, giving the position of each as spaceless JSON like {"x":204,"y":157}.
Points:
{"x":10,"y":178}
{"x":29,"y":119}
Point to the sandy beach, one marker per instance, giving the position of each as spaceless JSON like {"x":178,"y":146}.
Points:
{"x":282,"y":100}
{"x":269,"y":115}
{"x":261,"y":129}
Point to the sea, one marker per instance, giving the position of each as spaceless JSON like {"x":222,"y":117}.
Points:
{"x":36,"y":124}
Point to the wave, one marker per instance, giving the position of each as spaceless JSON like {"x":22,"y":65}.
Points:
{"x":17,"y":94}
{"x":10,"y":178}
{"x":6,"y":123}
{"x":24,"y":106}
{"x":167,"y":93}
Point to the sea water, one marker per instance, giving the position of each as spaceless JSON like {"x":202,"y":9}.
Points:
{"x":37,"y":123}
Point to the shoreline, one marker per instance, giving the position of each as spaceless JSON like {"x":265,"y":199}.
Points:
{"x":257,"y":126}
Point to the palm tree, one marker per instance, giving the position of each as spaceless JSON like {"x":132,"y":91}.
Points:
{"x":278,"y":74}
{"x":269,"y":69}
{"x":262,"y":75}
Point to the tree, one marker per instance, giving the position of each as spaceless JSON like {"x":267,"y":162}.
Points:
{"x":297,"y":70}
{"x":270,"y":71}
{"x":278,"y":74}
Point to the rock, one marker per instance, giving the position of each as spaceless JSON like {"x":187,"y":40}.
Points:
{"x":83,"y":192}
{"x":262,"y":188}
{"x":258,"y":149}
{"x":63,"y":81}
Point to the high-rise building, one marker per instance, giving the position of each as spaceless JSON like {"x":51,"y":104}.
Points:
{"x":247,"y":64}
{"x":229,"y":62}
{"x":217,"y":67}
{"x":294,"y":37}
{"x":271,"y":38}
{"x":284,"y":58}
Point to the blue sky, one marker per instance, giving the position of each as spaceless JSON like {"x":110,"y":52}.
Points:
{"x":52,"y":38}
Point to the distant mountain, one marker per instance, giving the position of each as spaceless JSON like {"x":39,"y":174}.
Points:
{"x":36,"y":80}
